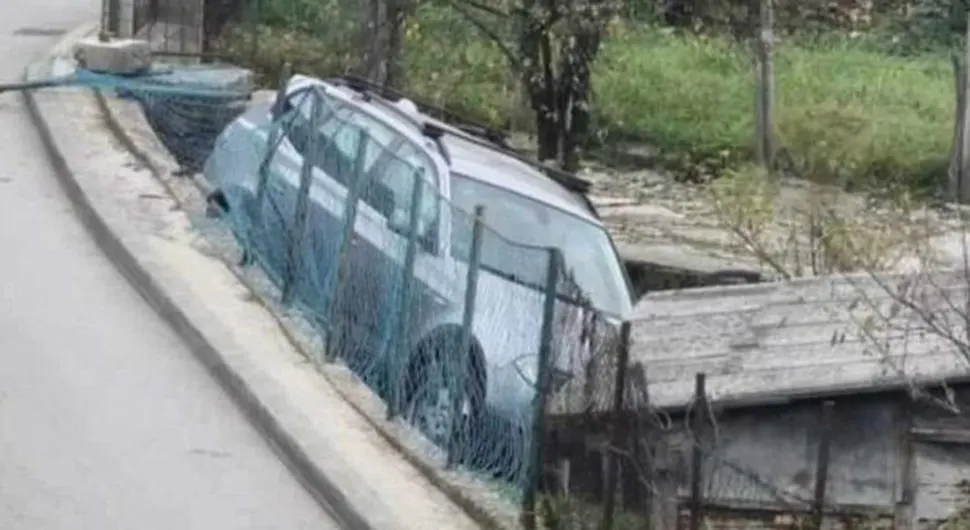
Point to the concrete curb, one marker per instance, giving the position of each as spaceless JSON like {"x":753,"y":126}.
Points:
{"x":477,"y":513}
{"x":325,"y":491}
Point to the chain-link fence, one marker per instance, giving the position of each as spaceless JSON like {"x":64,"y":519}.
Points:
{"x":637,"y":466}
{"x":439,"y":314}
{"x":494,"y":356}
{"x":486,"y":347}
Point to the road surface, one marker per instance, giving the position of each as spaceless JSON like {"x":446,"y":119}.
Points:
{"x":107,"y":422}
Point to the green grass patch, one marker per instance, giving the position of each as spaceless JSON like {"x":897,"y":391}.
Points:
{"x":844,"y":110}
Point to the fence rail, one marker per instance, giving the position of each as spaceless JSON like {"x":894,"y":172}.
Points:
{"x":589,"y":448}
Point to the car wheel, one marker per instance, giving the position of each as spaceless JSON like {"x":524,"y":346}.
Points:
{"x":431,"y":389}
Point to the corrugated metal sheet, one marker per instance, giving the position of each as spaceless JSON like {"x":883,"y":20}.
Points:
{"x":805,"y":337}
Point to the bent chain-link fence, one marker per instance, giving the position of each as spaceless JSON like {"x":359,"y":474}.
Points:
{"x":437,"y":313}
{"x":486,"y":347}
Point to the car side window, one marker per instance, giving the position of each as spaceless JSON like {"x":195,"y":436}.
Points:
{"x":338,"y":145}
{"x":298,"y":130}
{"x":402,"y":171}
{"x":345,"y":134}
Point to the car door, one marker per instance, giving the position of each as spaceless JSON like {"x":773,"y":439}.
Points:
{"x":307,"y":148}
{"x":379,"y":246}
{"x":333,"y":166}
{"x":279,"y":182}
{"x":346,"y":153}
{"x":328,"y":137}
{"x":351,"y":151}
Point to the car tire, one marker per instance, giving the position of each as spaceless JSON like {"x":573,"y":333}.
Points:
{"x":428,"y":390}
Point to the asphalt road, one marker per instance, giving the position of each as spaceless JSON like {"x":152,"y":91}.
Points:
{"x":106,"y":420}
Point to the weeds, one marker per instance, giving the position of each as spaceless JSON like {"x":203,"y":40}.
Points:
{"x":809,"y":229}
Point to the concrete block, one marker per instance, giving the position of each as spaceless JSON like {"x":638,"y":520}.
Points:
{"x":209,"y":77}
{"x":119,"y":56}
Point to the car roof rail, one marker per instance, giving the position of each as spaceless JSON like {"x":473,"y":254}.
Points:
{"x":361,"y":84}
{"x":479,"y":133}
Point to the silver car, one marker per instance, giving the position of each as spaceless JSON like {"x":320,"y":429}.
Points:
{"x":525,"y":209}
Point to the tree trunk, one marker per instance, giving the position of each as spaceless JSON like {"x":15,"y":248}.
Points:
{"x":559,"y":89}
{"x":566,"y":93}
{"x":549,"y":139}
{"x":575,"y":136}
{"x":576,"y":57}
{"x":398,"y":12}
{"x":216,"y":14}
{"x":382,"y":38}
{"x":535,"y":50}
{"x":547,"y":135}
{"x":680,"y":13}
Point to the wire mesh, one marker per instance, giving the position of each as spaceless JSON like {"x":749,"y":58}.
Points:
{"x":187,"y":108}
{"x":587,"y":342}
{"x":345,"y":215}
{"x":187,"y":121}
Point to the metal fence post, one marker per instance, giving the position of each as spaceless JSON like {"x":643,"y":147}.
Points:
{"x":468,"y":317}
{"x":292,"y":269}
{"x":822,"y":464}
{"x":619,"y":389}
{"x":697,"y":455}
{"x":355,"y":187}
{"x":641,"y":439}
{"x":534,"y":464}
{"x":400,"y":334}
{"x":273,"y":141}
{"x":262,"y":173}
{"x":765,"y":83}
{"x":960,"y":163}
{"x":113,"y":18}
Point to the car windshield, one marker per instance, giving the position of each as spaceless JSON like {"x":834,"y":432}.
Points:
{"x":586,"y":247}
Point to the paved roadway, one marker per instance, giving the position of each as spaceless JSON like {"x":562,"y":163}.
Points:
{"x":106,"y":421}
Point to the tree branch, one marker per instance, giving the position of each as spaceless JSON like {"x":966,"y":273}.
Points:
{"x":488,"y":32}
{"x":487,"y":8}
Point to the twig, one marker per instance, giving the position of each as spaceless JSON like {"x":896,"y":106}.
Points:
{"x":488,"y":32}
{"x":489,"y":9}
{"x":760,"y":253}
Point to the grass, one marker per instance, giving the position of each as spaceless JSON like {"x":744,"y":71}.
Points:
{"x":869,"y":113}
{"x":844,"y":110}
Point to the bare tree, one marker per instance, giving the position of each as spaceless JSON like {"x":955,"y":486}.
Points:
{"x":382,"y":40}
{"x":892,"y":290}
{"x":551,"y":51}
